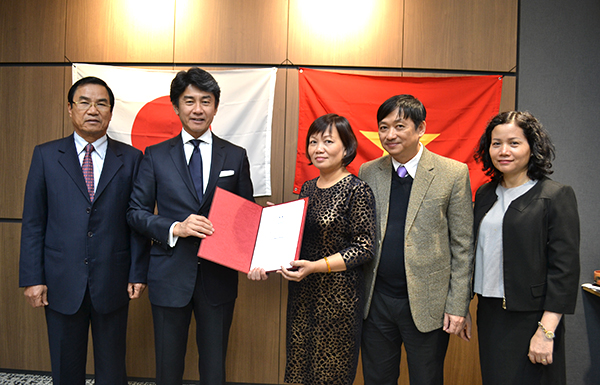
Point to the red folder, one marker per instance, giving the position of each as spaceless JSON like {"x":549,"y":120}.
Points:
{"x":245,"y":232}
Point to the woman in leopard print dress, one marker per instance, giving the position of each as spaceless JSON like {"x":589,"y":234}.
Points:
{"x":326,"y":289}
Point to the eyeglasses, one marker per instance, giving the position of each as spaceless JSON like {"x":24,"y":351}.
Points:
{"x":84,"y":105}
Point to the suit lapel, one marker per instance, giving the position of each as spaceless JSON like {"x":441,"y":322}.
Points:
{"x":216,"y":165}
{"x":178,"y":158}
{"x":70,"y":162}
{"x":382,"y":192}
{"x":112,"y":163}
{"x":423,"y":178}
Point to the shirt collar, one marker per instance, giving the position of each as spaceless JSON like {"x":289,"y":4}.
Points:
{"x":100,"y":145}
{"x":411,"y":165}
{"x":206,"y":137}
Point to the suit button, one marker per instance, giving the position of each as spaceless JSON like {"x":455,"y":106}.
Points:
{"x":90,"y":234}
{"x":86,"y":261}
{"x":88,"y":210}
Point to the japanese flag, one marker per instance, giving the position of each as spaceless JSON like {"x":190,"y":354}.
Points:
{"x":143,"y":114}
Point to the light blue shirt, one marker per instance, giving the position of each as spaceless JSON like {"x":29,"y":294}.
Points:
{"x":489,"y":266}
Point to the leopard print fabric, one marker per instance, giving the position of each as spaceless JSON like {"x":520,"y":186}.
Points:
{"x":325,"y":311}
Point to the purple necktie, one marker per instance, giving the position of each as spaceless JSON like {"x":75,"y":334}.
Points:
{"x":195,"y":167}
{"x":402,"y":171}
{"x":88,"y":170}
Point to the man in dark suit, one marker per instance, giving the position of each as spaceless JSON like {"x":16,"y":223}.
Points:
{"x":79,"y":258}
{"x":419,"y":283}
{"x":179,"y":177}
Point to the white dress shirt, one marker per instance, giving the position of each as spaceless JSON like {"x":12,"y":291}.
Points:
{"x":98,"y":155}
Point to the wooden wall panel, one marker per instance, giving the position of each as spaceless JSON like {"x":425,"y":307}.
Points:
{"x":23,"y":333}
{"x":346,"y":33}
{"x":31,"y":105}
{"x":32,"y":31}
{"x":231,"y":31}
{"x":509,"y":94}
{"x":462,"y":35}
{"x":120,"y":31}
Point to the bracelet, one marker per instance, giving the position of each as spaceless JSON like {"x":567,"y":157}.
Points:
{"x":328,"y":265}
{"x":548,"y":333}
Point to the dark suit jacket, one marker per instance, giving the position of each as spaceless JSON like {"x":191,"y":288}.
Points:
{"x":540,"y":241}
{"x":438,"y":239}
{"x":69,"y":243}
{"x":164,"y":180}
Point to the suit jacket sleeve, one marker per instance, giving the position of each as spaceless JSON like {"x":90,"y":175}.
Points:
{"x":245,"y":188}
{"x":563,"y":252}
{"x":140,"y":245}
{"x":33,"y":230}
{"x":140,"y":214}
{"x":460,"y":228}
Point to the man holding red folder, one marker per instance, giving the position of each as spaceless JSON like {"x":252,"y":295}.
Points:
{"x":179,"y":176}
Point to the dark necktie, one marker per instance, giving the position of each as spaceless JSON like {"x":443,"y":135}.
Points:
{"x":195,"y":167}
{"x":88,"y":170}
{"x":402,"y":171}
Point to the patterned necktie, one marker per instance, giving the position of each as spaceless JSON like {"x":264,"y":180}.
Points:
{"x":88,"y":170}
{"x":402,"y":171}
{"x":195,"y":167}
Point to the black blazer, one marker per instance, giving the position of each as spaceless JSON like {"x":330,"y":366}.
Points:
{"x":540,"y":240}
{"x":69,"y":243}
{"x":164,"y":180}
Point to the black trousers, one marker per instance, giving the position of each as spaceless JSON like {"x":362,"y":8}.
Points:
{"x":171,"y":327}
{"x":504,"y":338}
{"x":388,"y":326}
{"x":68,"y":339}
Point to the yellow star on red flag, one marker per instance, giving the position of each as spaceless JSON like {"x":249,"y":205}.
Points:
{"x":373,"y":136}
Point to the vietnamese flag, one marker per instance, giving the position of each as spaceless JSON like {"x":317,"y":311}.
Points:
{"x":143,"y":114}
{"x":458,"y":110}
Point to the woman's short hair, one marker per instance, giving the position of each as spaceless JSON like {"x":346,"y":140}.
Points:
{"x":323,"y":124}
{"x":541,"y":147}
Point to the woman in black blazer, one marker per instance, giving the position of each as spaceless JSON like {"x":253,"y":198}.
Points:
{"x":527,"y":255}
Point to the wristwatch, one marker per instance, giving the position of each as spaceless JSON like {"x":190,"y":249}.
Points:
{"x":548,"y":333}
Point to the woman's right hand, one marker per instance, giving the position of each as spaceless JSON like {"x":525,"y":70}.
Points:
{"x":257,"y":274}
{"x":304,"y":268}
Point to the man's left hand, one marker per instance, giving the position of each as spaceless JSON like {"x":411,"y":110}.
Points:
{"x":135,"y":290}
{"x":453,"y":324}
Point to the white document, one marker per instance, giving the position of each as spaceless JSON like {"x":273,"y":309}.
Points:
{"x":279,"y":232}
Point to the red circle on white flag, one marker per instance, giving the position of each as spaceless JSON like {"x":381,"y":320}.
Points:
{"x":155,"y":122}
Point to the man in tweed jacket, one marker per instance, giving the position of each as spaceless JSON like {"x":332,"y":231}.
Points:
{"x":419,"y":284}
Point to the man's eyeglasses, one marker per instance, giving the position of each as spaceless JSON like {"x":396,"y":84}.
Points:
{"x":84,"y":105}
